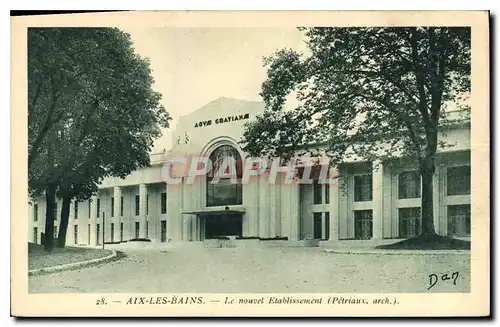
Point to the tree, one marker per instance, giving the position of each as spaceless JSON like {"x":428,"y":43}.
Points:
{"x":374,"y":93}
{"x":96,"y":115}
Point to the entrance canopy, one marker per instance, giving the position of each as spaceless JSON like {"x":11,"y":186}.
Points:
{"x":216,"y":210}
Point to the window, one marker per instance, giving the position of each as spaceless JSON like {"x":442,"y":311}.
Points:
{"x":363,"y":224}
{"x":121,"y":206}
{"x":147,"y":204}
{"x":321,"y":225}
{"x":458,"y":180}
{"x":224,"y":192}
{"x":55,"y":231}
{"x":147,"y":229}
{"x":327,"y":193}
{"x":137,"y":229}
{"x":317,"y":228}
{"x":363,"y":188}
{"x":76,"y":209}
{"x":459,"y":220}
{"x":88,"y":234}
{"x":112,"y":207}
{"x":164,"y":203}
{"x":98,"y":207}
{"x":112,"y":232}
{"x":327,"y":225}
{"x":137,"y":205}
{"x":410,"y":222}
{"x":98,"y":234}
{"x":163,"y":234}
{"x":35,"y":235}
{"x":121,"y":232}
{"x":409,"y":185}
{"x":90,"y":208}
{"x":317,"y":188}
{"x":55,"y":210}
{"x":75,"y":231}
{"x":35,"y":212}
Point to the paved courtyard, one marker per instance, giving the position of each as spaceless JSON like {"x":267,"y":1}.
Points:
{"x":260,"y":270}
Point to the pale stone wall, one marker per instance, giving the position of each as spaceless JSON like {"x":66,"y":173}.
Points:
{"x":271,"y":210}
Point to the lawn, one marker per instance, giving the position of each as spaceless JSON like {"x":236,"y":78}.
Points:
{"x":38,"y":258}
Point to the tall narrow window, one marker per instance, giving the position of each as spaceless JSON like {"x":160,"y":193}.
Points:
{"x":75,"y":234}
{"x":147,"y":229}
{"x":327,"y":226}
{"x":223,"y":191}
{"x":163,"y":231}
{"x":35,"y":235}
{"x":121,"y":232}
{"x":327,"y":193}
{"x":137,"y":201}
{"x":112,"y":207}
{"x":410,"y":222}
{"x":137,"y":229}
{"x":317,"y":192}
{"x":459,"y":220}
{"x":458,"y":180}
{"x":164,"y":203}
{"x":112,"y":232}
{"x":317,"y":225}
{"x":35,"y":212}
{"x":98,"y":207}
{"x":76,"y":209}
{"x":88,"y":234}
{"x":147,"y":204}
{"x":409,"y":185}
{"x":121,"y":206}
{"x":363,"y":188}
{"x":90,"y":208}
{"x":363,"y":224}
{"x":98,"y":234}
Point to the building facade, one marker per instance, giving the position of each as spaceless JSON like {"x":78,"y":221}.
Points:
{"x":372,"y":202}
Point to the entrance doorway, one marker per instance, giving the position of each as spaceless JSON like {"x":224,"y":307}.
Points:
{"x":223,"y":225}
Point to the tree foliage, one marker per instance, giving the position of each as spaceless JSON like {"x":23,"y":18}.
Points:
{"x":370,"y":93}
{"x":92,"y":112}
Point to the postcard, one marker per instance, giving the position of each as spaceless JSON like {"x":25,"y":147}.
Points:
{"x":250,"y":164}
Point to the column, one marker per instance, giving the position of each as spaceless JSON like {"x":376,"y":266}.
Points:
{"x":142,"y":210}
{"x":93,"y":220}
{"x":128,"y":201}
{"x":251,"y":203}
{"x":378,"y":203}
{"x":174,"y":216}
{"x":272,"y":207}
{"x":435,"y":199}
{"x":294,"y":211}
{"x":334,"y":204}
{"x":117,"y":194}
{"x":264,"y":202}
{"x":388,"y":215}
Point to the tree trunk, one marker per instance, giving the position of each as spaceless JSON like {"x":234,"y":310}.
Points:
{"x":427,"y":209}
{"x":63,"y":225}
{"x":50,"y":195}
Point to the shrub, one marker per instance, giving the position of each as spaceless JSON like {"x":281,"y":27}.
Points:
{"x":220,"y":238}
{"x":115,"y":242}
{"x":276,"y":238}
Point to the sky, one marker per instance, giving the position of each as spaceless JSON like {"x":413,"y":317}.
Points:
{"x":194,"y":66}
